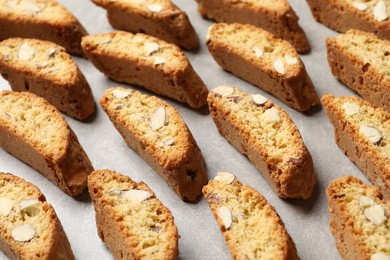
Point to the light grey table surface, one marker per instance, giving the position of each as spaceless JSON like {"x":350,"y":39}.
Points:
{"x":306,"y":221}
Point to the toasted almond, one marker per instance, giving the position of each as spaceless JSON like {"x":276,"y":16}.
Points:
{"x":224,"y":177}
{"x":155,"y":8}
{"x":223,"y":91}
{"x":151,"y":47}
{"x":291,"y":60}
{"x":380,"y":11}
{"x":225,"y":215}
{"x":23,"y":233}
{"x":351,"y":108}
{"x":6,"y":206}
{"x":360,"y":6}
{"x":371,"y":133}
{"x":167,"y":142}
{"x":120,"y":93}
{"x":158,"y":118}
{"x":259,"y":52}
{"x":279,"y":66}
{"x":259,"y":99}
{"x":272,"y":115}
{"x":136,"y":195}
{"x":31,"y":7}
{"x":365,"y":201}
{"x":26,"y":52}
{"x":159,"y":60}
{"x":51,"y":52}
{"x":30,"y":207}
{"x":375,"y":214}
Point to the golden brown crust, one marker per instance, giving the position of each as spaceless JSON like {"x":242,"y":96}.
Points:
{"x":358,"y":59}
{"x":371,"y":158}
{"x":279,"y":19}
{"x":131,"y":235}
{"x":38,"y":73}
{"x":341,"y":15}
{"x":254,"y":222}
{"x":146,"y":61}
{"x":55,"y":245}
{"x":58,"y":157}
{"x":169,"y":24}
{"x":41,"y":19}
{"x":292,"y":85}
{"x":356,"y":237}
{"x":275,"y":147}
{"x":180,"y":162}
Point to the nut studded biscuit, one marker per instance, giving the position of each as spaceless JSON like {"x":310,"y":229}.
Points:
{"x":250,"y":225}
{"x":146,"y":61}
{"x":342,"y":15}
{"x":156,"y":131}
{"x":359,"y":219}
{"x":45,"y":69}
{"x":160,"y":18}
{"x":362,"y":131}
{"x":266,"y":134}
{"x":269,"y":63}
{"x":130,"y":219}
{"x":361,"y":61}
{"x":275,"y":16}
{"x":41,"y":19}
{"x":29,"y":227}
{"x":36,"y":133}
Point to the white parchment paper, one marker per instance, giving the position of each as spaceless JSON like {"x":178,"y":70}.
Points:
{"x":306,"y":221}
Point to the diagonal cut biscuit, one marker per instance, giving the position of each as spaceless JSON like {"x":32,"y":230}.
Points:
{"x":36,"y":133}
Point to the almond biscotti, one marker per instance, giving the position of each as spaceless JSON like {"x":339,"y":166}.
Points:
{"x":160,"y":18}
{"x":250,"y":225}
{"x":146,"y":61}
{"x":266,"y":134}
{"x":361,"y":61}
{"x":362,"y":131}
{"x":29,"y":227}
{"x":359,"y":219}
{"x":156,"y":131}
{"x":261,"y":59}
{"x":45,"y":69}
{"x":275,"y":16}
{"x":41,"y":19}
{"x":36,"y":133}
{"x":130,"y":219}
{"x":342,"y":15}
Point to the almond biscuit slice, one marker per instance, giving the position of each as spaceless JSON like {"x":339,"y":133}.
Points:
{"x":362,"y":62}
{"x":130,"y":219}
{"x":267,"y":135}
{"x":359,"y":219}
{"x":343,"y":15}
{"x":36,"y":133}
{"x":159,"y":18}
{"x":144,"y":60}
{"x":29,"y":227}
{"x":250,"y":225}
{"x":156,"y":131}
{"x":362,"y":132}
{"x":275,"y":16}
{"x":269,"y":63}
{"x":45,"y":69}
{"x":41,"y":19}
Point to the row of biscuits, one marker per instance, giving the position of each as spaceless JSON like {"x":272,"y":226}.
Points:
{"x":19,"y":119}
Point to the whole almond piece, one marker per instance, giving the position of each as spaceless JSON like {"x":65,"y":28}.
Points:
{"x":380,"y":11}
{"x":120,"y":94}
{"x":30,"y":207}
{"x":279,"y":66}
{"x":375,"y":214}
{"x":259,"y":99}
{"x":224,"y":177}
{"x":136,"y":195}
{"x":26,"y":52}
{"x":365,"y":201}
{"x":351,"y":108}
{"x":371,"y":133}
{"x":223,"y":91}
{"x":6,"y":206}
{"x":272,"y":115}
{"x":225,"y":215}
{"x":23,"y":233}
{"x":158,"y":119}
